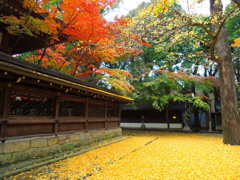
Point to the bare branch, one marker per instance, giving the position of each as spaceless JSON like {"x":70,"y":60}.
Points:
{"x":190,"y":20}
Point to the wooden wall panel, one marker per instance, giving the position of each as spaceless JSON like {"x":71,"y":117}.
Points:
{"x":63,"y":127}
{"x":113,"y":124}
{"x":28,"y":129}
{"x":96,"y":125}
{"x":72,"y":108}
{"x":95,"y":119}
{"x":72,"y":119}
{"x":96,"y":110}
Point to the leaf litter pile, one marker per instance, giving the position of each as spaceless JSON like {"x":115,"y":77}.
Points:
{"x":153,"y":156}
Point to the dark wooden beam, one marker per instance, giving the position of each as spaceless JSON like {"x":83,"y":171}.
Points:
{"x":3,"y":124}
{"x":207,"y":119}
{"x":106,"y":116}
{"x":86,"y":114}
{"x":6,"y":100}
{"x":56,"y":115}
{"x":197,"y":120}
{"x":72,"y":98}
{"x":5,"y":112}
{"x":167,"y":117}
{"x":119,"y":114}
{"x":37,"y":91}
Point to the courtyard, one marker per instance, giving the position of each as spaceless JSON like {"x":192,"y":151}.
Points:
{"x":150,"y":155}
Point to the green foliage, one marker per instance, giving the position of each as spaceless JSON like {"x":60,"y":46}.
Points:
{"x":196,"y":101}
{"x":52,"y":3}
{"x":164,"y":89}
{"x":25,"y":25}
{"x":233,"y":24}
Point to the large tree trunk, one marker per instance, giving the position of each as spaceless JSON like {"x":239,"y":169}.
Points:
{"x":229,"y":104}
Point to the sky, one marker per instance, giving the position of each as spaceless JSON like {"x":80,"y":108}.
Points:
{"x":127,"y":5}
{"x":124,"y":8}
{"x":202,"y":8}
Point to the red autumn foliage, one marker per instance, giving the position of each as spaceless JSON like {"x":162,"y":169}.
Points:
{"x":94,"y":40}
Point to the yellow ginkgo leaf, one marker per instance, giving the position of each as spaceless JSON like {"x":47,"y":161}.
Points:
{"x":236,"y":42}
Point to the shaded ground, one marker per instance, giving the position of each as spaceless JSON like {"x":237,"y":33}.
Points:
{"x":151,"y":156}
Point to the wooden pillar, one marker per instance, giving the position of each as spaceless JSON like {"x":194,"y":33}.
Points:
{"x":6,"y":99}
{"x":86,"y":114}
{"x":106,"y":115}
{"x":119,"y":114}
{"x":56,"y":115}
{"x":182,"y":124}
{"x":1,"y":37}
{"x":207,"y":116}
{"x":182,"y":117}
{"x":6,"y":103}
{"x":167,"y":118}
{"x":196,"y":120}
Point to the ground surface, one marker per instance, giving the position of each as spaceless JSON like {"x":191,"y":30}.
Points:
{"x":152,"y":156}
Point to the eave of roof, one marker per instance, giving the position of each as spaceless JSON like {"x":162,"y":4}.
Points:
{"x":14,"y":65}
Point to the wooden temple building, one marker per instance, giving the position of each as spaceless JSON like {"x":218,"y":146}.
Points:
{"x":38,"y":101}
{"x":42,"y":110}
{"x":34,"y":100}
{"x":173,"y":117}
{"x":169,"y":118}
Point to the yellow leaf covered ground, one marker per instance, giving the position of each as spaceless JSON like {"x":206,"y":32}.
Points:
{"x":155,"y":156}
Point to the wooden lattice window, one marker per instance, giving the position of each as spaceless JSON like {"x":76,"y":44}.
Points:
{"x":97,"y":110}
{"x":70,"y":108}
{"x":30,"y":104}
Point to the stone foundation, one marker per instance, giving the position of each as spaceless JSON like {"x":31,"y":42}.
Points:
{"x":29,"y":148}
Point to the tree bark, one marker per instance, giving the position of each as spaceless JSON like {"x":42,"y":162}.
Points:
{"x":229,"y":104}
